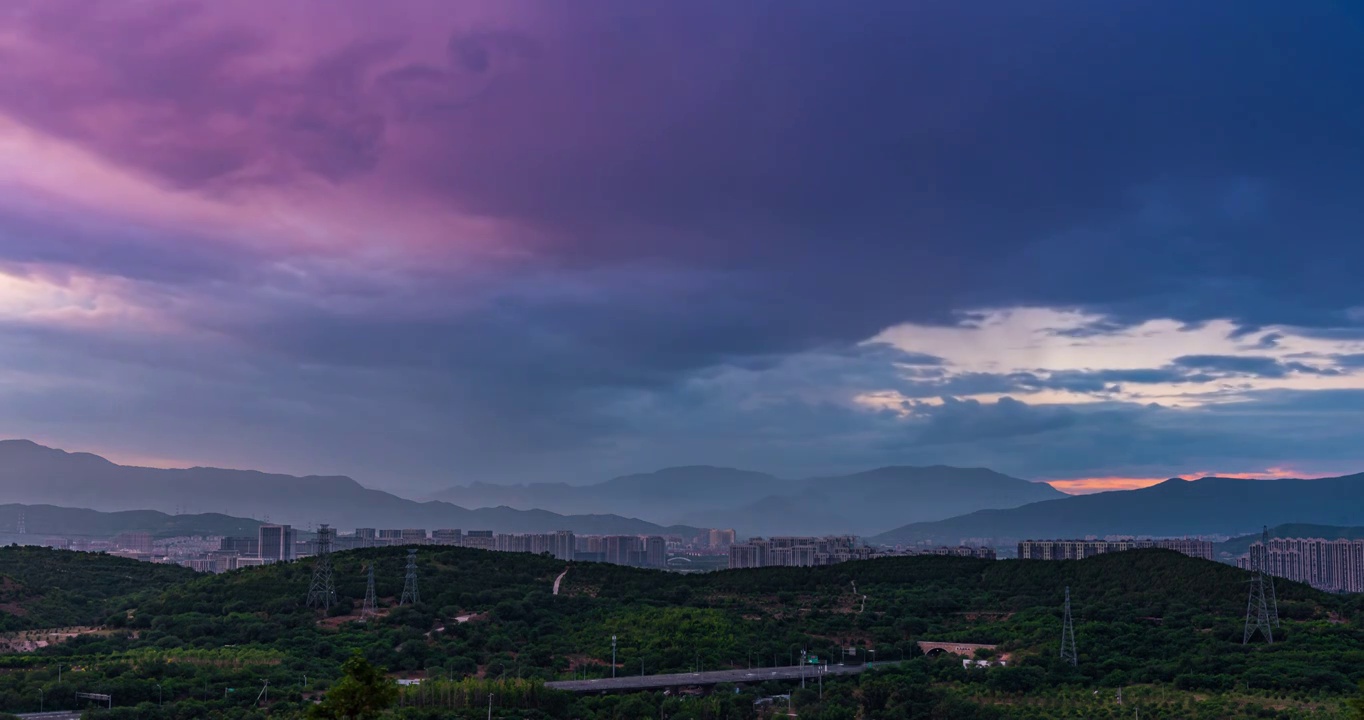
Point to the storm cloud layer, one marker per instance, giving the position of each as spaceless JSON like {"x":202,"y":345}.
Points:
{"x":427,"y":242}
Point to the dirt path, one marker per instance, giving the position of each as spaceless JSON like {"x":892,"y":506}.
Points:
{"x":558,"y":580}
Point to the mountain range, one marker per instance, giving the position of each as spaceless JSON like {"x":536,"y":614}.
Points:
{"x":760,"y":504}
{"x":32,"y":474}
{"x":1207,"y":506}
{"x":38,"y":520}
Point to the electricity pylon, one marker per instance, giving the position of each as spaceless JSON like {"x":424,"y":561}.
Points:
{"x":1068,"y":652}
{"x":371,"y":607}
{"x":410,"y":583}
{"x":322,"y":592}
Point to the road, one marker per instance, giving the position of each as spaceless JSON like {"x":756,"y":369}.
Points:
{"x":558,"y":580}
{"x":54,"y":715}
{"x":654,"y":682}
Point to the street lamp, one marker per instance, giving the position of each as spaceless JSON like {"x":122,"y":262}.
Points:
{"x":40,"y":700}
{"x":613,"y":656}
{"x":490,"y":706}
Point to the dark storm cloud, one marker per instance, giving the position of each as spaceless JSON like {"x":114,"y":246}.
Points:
{"x":720,"y":200}
{"x":1249,"y":365}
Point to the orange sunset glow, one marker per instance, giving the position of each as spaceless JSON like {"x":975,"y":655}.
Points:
{"x":1085,"y":486}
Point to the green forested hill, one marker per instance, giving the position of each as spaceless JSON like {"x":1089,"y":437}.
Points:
{"x":45,"y":588}
{"x":1165,"y":626}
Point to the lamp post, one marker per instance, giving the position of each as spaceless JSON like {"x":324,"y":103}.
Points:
{"x":490,"y":706}
{"x":40,"y":700}
{"x":613,"y":656}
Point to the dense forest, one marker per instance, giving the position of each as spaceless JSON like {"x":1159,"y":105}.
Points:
{"x":1158,"y":633}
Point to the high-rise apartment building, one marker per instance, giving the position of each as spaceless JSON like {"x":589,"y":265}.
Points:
{"x":721,"y":539}
{"x":1331,"y":565}
{"x":391,"y":535}
{"x":413,"y":536}
{"x":565,"y":545}
{"x":276,"y":543}
{"x":447,"y":536}
{"x":481,"y":539}
{"x":618,"y":549}
{"x":1080,"y":549}
{"x":239,"y":546}
{"x":793,"y":551}
{"x":138,"y":542}
{"x":655,"y":552}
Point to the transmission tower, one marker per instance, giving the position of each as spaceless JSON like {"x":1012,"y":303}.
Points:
{"x":322,"y":593}
{"x":1257,"y":607}
{"x":1068,"y":652}
{"x":371,"y":607}
{"x":1264,"y":567}
{"x":410,"y":583}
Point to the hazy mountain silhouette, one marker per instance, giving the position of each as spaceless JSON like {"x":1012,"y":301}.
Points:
{"x":759,"y":504}
{"x":1211,"y":505}
{"x":34,"y":474}
{"x":39,"y":520}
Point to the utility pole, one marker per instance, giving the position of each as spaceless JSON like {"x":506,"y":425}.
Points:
{"x":490,"y":706}
{"x":1068,"y":652}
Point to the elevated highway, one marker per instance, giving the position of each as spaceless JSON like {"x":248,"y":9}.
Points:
{"x":702,"y":679}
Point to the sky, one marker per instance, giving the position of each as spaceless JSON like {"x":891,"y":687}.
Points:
{"x":425,"y":243}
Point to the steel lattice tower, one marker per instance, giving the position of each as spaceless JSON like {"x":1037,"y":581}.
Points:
{"x":1068,"y":652}
{"x":371,"y":607}
{"x":322,"y":593}
{"x":1264,"y":568}
{"x":1257,"y":607}
{"x":410,"y":583}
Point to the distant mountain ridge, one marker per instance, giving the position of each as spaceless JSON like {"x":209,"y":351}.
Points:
{"x":1211,"y":505}
{"x":39,"y":520}
{"x":36,"y":475}
{"x":756,"y":503}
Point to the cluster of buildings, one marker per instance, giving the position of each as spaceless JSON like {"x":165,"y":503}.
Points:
{"x":1331,"y":565}
{"x":1081,"y":549}
{"x":797,"y":551}
{"x":280,"y":543}
{"x":984,"y":552}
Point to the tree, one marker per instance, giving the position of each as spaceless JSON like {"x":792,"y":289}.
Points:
{"x":1357,"y":703}
{"x":364,"y":692}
